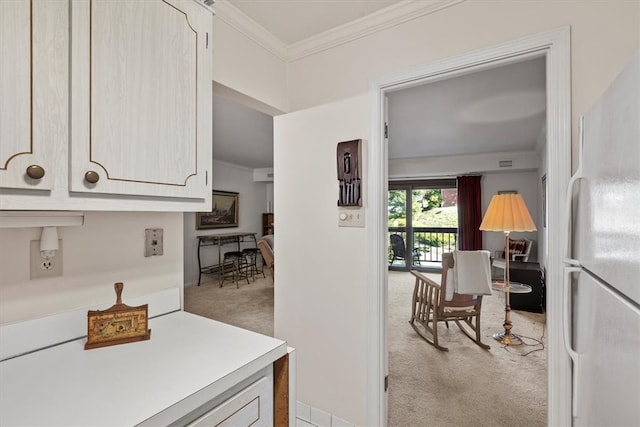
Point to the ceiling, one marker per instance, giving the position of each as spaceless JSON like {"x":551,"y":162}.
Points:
{"x":491,"y":111}
{"x":501,"y":109}
{"x":241,"y":136}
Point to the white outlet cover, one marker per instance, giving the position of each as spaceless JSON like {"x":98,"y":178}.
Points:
{"x":351,"y":217}
{"x":153,"y":242}
{"x":36,"y":260}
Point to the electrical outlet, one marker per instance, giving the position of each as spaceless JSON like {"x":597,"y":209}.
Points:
{"x":42,"y":268}
{"x":153,"y":242}
{"x":48,"y":264}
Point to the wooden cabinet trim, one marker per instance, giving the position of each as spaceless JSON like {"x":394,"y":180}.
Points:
{"x":281,"y":392}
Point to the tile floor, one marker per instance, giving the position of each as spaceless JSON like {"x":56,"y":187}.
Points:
{"x":307,"y":416}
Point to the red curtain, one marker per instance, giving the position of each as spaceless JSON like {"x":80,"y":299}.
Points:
{"x":469,"y":213}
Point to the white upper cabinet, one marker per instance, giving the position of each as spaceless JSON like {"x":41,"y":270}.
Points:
{"x":139,"y":67}
{"x":26,"y":146}
{"x":115,"y":107}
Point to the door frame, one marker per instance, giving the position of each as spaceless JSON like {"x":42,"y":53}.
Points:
{"x":555,"y":46}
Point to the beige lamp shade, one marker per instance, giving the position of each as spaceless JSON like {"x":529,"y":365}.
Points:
{"x":507,"y":212}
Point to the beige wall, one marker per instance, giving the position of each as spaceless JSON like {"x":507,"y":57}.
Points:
{"x":108,"y":248}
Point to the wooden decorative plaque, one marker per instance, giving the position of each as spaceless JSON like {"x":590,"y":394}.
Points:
{"x":119,"y":324}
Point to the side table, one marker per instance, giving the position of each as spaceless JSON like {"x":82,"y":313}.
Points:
{"x":507,"y":337}
{"x":514,"y":287}
{"x":528,"y":273}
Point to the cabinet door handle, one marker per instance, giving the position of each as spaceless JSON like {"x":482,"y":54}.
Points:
{"x":35,"y":171}
{"x":91,"y":177}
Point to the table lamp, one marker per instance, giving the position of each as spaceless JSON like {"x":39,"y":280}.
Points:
{"x":507,"y":212}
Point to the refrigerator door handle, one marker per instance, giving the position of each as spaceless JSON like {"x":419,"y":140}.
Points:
{"x":566,"y":323}
{"x":568,"y":205}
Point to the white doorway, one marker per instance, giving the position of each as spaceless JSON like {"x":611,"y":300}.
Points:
{"x":555,"y":46}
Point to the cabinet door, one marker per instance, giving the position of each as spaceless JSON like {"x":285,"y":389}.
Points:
{"x":33,"y":101}
{"x":252,"y":406}
{"x":141,"y":94}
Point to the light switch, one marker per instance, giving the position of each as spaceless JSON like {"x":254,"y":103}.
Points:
{"x":351,"y":217}
{"x":153,"y":244}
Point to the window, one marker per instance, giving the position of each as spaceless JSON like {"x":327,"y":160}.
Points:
{"x":422,"y":222}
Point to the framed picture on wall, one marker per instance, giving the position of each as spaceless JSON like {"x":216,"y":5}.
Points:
{"x":224,"y":212}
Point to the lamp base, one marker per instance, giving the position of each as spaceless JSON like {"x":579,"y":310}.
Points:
{"x":507,"y":339}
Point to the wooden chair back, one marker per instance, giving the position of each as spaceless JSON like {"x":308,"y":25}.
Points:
{"x":458,"y":300}
{"x":430,"y":306}
{"x":264,"y":244}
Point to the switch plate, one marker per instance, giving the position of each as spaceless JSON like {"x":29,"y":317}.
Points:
{"x":153,"y":244}
{"x":37,"y":267}
{"x":351,"y":217}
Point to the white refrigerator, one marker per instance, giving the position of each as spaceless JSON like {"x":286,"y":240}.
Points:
{"x":602,"y":266}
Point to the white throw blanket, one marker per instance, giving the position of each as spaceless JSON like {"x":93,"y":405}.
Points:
{"x":451,"y":284}
{"x":472,"y":272}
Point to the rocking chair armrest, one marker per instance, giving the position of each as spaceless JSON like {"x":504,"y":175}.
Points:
{"x":425,"y":279}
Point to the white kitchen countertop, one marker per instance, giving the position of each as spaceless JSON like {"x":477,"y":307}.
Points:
{"x":188,"y":360}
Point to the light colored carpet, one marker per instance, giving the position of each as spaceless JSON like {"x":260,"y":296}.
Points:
{"x":250,"y":306}
{"x":466,"y":386}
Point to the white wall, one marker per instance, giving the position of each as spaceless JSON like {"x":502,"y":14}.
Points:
{"x":604,"y":34}
{"x":320,"y":309}
{"x":242,"y":65}
{"x":253,"y":201}
{"x":321,"y":287}
{"x":321,"y":292}
{"x":108,"y":248}
{"x":463,"y":164}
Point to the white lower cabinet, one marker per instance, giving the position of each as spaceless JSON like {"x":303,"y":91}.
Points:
{"x":251,"y":406}
{"x":193,"y":371}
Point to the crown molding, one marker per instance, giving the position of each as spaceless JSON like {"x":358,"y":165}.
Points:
{"x":232,"y":16}
{"x":383,"y":19}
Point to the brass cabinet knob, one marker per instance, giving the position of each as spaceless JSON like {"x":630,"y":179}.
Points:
{"x":35,"y":171}
{"x":91,"y":177}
